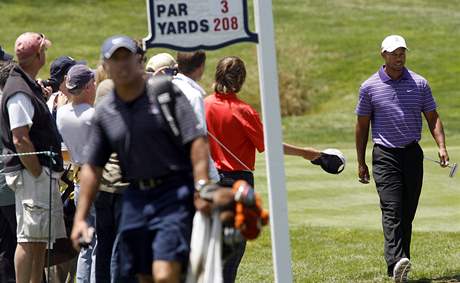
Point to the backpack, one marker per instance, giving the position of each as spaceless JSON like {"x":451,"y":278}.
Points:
{"x":160,"y":92}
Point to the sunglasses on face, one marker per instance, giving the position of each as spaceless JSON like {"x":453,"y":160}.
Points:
{"x":170,"y":71}
{"x":43,"y":42}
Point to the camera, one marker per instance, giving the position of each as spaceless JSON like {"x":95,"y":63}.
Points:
{"x":52,"y":84}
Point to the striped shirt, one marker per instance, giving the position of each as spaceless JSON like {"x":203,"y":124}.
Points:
{"x":395,"y":107}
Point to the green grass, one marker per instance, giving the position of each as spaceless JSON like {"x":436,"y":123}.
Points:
{"x":325,"y":49}
{"x":321,"y":254}
{"x":335,"y":226}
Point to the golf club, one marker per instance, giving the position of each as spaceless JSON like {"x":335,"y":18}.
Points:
{"x":453,"y":168}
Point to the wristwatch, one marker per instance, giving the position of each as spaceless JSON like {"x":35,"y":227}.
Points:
{"x":200,"y":184}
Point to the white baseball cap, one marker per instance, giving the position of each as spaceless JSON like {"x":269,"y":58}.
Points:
{"x":393,"y":42}
{"x":160,"y":62}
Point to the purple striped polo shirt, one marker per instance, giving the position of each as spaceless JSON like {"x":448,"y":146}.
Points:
{"x":395,"y":107}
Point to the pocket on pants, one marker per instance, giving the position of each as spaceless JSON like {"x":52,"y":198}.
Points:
{"x":14,"y":181}
{"x":35,"y":217}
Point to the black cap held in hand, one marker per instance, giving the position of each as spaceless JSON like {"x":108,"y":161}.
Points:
{"x":331,"y":160}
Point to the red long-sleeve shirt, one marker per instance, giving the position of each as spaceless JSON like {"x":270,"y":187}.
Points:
{"x":238,"y":127}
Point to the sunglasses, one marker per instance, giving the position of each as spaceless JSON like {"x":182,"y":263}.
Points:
{"x":43,"y":42}
{"x":170,"y":71}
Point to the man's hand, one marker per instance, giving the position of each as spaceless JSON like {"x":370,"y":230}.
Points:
{"x":202,"y":205}
{"x":363,"y":173}
{"x":80,"y":231}
{"x":310,"y":153}
{"x":443,"y":157}
{"x":47,"y":90}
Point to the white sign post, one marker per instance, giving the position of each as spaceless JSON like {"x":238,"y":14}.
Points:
{"x":271,"y":114}
{"x":187,"y":25}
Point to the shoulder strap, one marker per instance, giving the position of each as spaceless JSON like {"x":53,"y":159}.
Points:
{"x":159,"y":90}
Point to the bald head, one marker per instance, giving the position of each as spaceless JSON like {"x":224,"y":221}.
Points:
{"x":30,"y":50}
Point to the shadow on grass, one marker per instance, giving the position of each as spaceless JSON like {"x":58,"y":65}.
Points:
{"x":445,"y":279}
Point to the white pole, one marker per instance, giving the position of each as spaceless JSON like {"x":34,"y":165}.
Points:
{"x":268,"y":73}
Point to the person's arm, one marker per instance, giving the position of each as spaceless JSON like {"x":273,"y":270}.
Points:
{"x":199,"y":154}
{"x":362,"y":135}
{"x":305,"y":152}
{"x":437,"y":131}
{"x":22,"y":143}
{"x":20,"y":114}
{"x":90,"y":177}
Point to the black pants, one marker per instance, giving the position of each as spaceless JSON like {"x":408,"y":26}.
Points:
{"x":398,"y":175}
{"x":108,"y":212}
{"x":233,"y":261}
{"x":7,"y":243}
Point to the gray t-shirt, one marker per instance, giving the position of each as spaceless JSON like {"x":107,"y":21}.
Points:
{"x":74,"y":123}
{"x":140,"y":136}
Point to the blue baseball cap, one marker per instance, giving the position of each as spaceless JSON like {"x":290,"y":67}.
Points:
{"x":5,"y":56}
{"x":78,"y":77}
{"x":116,"y":42}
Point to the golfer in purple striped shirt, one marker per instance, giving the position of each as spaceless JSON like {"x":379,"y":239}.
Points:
{"x":392,"y":100}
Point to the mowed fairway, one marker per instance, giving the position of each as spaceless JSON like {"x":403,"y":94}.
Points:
{"x":336,"y":232}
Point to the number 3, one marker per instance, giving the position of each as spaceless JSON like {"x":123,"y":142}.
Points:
{"x":224,"y":6}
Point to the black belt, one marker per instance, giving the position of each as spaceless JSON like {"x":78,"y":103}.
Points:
{"x":148,"y":184}
{"x":153,"y":183}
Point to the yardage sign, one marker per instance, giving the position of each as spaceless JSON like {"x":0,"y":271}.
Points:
{"x":187,"y":25}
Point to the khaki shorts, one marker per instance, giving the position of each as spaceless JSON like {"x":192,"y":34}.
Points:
{"x":32,"y":206}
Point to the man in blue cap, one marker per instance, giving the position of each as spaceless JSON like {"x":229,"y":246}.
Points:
{"x":162,"y":151}
{"x":73,"y":120}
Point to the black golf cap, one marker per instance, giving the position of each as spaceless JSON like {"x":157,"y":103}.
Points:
{"x":331,"y":160}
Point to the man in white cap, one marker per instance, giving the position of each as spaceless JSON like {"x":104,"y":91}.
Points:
{"x":162,"y":64}
{"x":392,"y":100}
{"x":27,"y":126}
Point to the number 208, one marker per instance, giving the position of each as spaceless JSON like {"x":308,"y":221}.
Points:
{"x":225,"y":23}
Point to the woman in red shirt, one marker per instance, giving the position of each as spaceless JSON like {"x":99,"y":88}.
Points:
{"x":235,"y":133}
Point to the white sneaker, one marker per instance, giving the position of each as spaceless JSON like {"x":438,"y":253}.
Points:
{"x":401,"y":270}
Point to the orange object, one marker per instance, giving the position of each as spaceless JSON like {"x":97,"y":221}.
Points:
{"x":249,"y":213}
{"x":65,"y":155}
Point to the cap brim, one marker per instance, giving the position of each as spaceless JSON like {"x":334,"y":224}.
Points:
{"x":391,"y":50}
